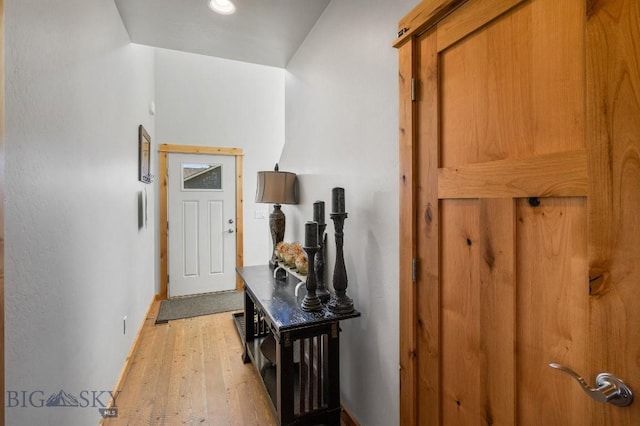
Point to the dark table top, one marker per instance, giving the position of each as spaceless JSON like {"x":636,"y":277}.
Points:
{"x":277,"y":299}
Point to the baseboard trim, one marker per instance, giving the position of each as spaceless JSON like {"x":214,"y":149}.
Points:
{"x":134,"y":347}
{"x":347,"y":417}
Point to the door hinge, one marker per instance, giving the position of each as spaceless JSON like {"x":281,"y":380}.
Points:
{"x":415,"y":270}
{"x":168,"y":278}
{"x":167,"y":225}
{"x":413,"y":89}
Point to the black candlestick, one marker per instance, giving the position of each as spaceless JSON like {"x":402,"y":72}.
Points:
{"x":337,"y":200}
{"x":318,"y":212}
{"x":311,"y":302}
{"x":341,"y":304}
{"x":321,"y":289}
{"x":311,"y":234}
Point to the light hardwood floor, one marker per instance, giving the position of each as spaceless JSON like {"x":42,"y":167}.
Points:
{"x":191,"y":372}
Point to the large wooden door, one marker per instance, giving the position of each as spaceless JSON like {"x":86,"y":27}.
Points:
{"x":520,"y":193}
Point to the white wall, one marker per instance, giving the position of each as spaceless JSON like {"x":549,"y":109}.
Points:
{"x":342,"y":130}
{"x":76,"y":262}
{"x":202,"y":100}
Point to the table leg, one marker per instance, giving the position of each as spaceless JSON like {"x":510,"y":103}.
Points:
{"x":249,"y":329}
{"x":285,"y":371}
{"x":334,"y":367}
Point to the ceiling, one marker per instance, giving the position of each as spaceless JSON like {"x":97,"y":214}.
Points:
{"x":266,"y":32}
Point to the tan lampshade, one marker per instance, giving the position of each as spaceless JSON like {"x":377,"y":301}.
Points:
{"x":277,"y":188}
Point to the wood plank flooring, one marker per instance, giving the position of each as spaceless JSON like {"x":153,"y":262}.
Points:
{"x":190,"y":372}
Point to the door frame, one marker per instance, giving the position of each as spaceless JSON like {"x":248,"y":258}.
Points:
{"x":163,"y":151}
{"x":419,"y":20}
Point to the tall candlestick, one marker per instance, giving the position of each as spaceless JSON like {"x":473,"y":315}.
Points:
{"x":311,"y":234}
{"x":341,"y":304}
{"x":321,"y":289}
{"x":318,"y":212}
{"x":337,"y":198}
{"x":311,"y":302}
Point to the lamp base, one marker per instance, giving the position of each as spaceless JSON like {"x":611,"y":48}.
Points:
{"x":277,"y":223}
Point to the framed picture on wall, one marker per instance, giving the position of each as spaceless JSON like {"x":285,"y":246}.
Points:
{"x":144,"y":155}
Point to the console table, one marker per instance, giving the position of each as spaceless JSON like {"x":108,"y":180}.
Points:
{"x":295,"y":352}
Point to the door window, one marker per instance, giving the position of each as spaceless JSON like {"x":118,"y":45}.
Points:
{"x":201,"y":177}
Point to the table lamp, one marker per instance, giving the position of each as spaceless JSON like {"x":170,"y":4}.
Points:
{"x":278,"y":188}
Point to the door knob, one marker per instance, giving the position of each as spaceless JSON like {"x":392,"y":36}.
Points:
{"x":609,"y":387}
{"x":230,"y":220}
{"x":230,"y":231}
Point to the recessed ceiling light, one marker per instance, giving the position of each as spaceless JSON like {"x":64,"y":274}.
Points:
{"x":223,"y":7}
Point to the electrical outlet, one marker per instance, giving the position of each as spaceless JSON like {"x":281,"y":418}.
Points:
{"x":124,"y":325}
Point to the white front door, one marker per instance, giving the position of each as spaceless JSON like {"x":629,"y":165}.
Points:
{"x":202,"y":215}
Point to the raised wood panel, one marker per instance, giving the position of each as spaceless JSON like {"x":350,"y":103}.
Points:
{"x":460,"y":316}
{"x":467,"y":19}
{"x":497,"y":305}
{"x":613,"y":129}
{"x":552,"y":304}
{"x":408,"y":300}
{"x":428,"y":233}
{"x":515,"y":89}
{"x":559,"y":174}
{"x":478,"y":311}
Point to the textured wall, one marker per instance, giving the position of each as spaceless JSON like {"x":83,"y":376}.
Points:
{"x":342,"y":130}
{"x":202,"y":100}
{"x":76,"y":261}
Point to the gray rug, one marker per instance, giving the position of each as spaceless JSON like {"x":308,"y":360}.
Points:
{"x":194,"y":306}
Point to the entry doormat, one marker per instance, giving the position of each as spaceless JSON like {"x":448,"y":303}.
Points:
{"x":203,"y":304}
